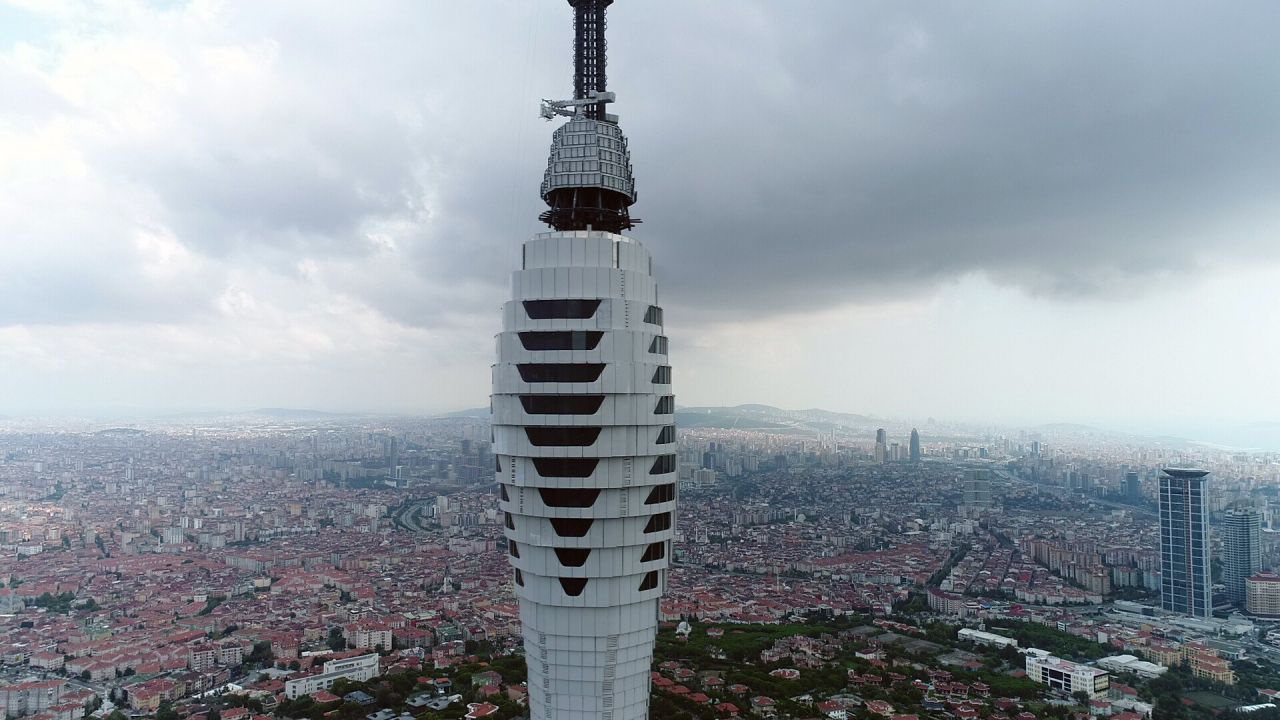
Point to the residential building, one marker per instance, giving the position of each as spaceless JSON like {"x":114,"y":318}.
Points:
{"x":31,"y":697}
{"x":1262,"y":595}
{"x":1132,"y":486}
{"x":977,"y":488}
{"x":1241,"y":551}
{"x":367,"y":634}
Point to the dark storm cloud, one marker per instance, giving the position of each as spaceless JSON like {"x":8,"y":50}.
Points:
{"x":802,"y":154}
{"x":789,"y":155}
{"x":828,"y":152}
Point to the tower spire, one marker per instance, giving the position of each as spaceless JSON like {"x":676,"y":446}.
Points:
{"x":589,"y":58}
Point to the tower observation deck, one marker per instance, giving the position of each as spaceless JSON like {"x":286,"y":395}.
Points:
{"x":588,"y":183}
{"x":583,"y":419}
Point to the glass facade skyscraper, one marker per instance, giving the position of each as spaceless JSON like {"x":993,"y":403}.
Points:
{"x":1184,"y":543}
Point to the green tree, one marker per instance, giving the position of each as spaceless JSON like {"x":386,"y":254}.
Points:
{"x":337,"y":642}
{"x":213,"y":602}
{"x":166,"y":711}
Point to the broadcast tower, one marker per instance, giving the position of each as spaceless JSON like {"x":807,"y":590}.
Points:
{"x":583,"y":418}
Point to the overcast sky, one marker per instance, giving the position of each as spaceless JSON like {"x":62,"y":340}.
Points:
{"x":1010,"y":212}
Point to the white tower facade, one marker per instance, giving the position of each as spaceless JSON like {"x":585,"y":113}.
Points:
{"x":583,"y":422}
{"x":584,"y":419}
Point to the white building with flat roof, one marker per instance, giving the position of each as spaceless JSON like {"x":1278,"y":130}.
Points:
{"x":1066,"y":676}
{"x":363,"y":667}
{"x":982,"y":637}
{"x":1130,"y":663}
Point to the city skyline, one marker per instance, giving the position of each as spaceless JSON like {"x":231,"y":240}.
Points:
{"x":222,"y":242}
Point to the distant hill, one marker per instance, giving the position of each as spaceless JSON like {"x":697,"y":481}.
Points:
{"x":838,"y":418}
{"x":294,"y":414}
{"x":727,"y":418}
{"x":120,"y":431}
{"x":482,"y":412}
{"x":1073,"y":428}
{"x":289,"y":414}
{"x":767,"y":417}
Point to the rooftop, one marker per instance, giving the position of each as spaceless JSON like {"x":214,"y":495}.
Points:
{"x":1191,"y":473}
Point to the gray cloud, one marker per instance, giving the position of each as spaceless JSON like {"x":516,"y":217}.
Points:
{"x":790,"y":155}
{"x":1044,"y":145}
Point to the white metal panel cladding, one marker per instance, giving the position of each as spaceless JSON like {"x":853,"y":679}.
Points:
{"x":589,"y":153}
{"x":588,"y":497}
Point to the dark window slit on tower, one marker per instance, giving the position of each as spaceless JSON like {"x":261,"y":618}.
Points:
{"x":655,"y":551}
{"x":661,"y":494}
{"x":663,"y":464}
{"x":565,"y":467}
{"x":562,"y":436}
{"x":561,"y":404}
{"x":575,"y":527}
{"x":569,"y":497}
{"x":573,"y":557}
{"x":561,"y":309}
{"x":658,"y":523}
{"x":561,"y":339}
{"x":573,"y":587}
{"x":560,"y":372}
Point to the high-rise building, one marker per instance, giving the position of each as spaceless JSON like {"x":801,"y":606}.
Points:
{"x":1241,"y":550}
{"x":1184,"y":543}
{"x":881,"y":452}
{"x":915,"y":445}
{"x":1132,"y":486}
{"x":1262,"y":595}
{"x":977,"y":488}
{"x":583,"y":419}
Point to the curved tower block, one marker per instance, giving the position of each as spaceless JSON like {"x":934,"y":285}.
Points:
{"x":583,"y":423}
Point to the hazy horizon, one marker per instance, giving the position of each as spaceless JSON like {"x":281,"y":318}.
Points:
{"x":1257,"y":436}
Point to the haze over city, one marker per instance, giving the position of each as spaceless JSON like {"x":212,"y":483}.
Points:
{"x":1011,"y":213}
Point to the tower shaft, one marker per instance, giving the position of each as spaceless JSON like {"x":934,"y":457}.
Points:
{"x":583,"y":419}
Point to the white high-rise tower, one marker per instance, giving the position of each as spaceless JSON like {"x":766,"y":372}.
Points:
{"x":583,"y":420}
